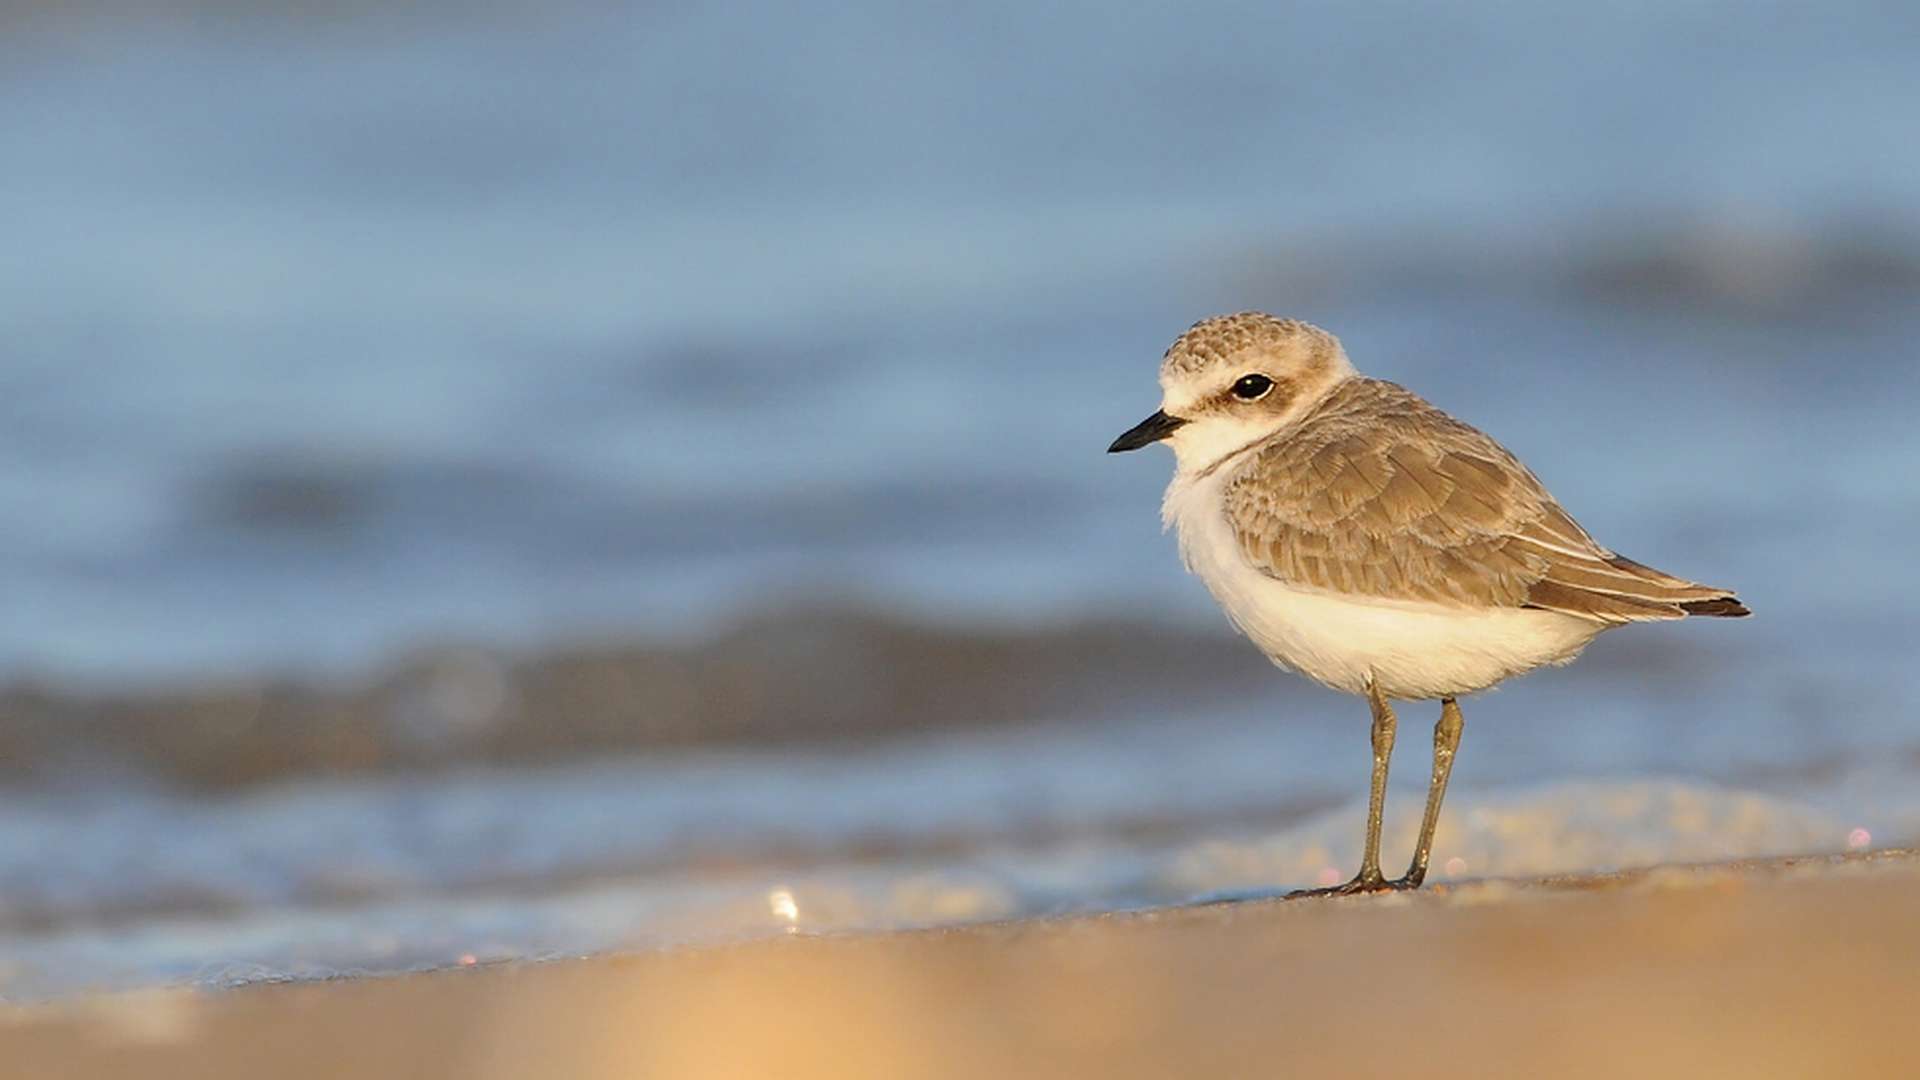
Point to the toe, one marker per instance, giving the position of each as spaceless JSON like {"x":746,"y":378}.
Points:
{"x":1362,"y":883}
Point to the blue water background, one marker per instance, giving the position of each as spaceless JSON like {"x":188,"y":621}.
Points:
{"x":325,"y":336}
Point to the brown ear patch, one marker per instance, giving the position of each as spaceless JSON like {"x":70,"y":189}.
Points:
{"x":1321,"y":350}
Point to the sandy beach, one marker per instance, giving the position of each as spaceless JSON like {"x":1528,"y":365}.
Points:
{"x":1782,"y":967}
{"x":578,"y":540}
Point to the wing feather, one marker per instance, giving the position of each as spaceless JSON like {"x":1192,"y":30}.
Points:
{"x":1378,"y":493}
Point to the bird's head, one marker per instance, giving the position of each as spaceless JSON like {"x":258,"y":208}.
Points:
{"x":1233,"y":380}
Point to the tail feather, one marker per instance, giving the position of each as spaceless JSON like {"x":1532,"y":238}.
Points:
{"x":1728,"y":606}
{"x":1705,"y":599}
{"x":1614,"y":589}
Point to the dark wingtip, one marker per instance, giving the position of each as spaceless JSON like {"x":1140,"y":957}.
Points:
{"x":1726,"y":607}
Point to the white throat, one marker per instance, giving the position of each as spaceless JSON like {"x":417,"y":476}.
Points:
{"x":1205,"y":445}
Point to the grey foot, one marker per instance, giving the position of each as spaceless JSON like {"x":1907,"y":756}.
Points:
{"x":1362,"y":883}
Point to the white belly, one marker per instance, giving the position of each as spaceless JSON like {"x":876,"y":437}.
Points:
{"x":1412,"y":650}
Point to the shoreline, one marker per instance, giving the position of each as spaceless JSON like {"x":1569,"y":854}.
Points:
{"x":1787,"y":966}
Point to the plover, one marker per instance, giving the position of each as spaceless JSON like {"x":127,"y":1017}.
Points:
{"x":1367,"y":540}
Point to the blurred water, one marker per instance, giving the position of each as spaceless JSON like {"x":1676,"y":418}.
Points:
{"x":320,"y":880}
{"x":322,"y":338}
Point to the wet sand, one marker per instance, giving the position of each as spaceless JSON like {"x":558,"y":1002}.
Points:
{"x":1786,"y":967}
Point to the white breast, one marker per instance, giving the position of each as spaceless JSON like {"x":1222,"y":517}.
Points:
{"x":1413,"y":650}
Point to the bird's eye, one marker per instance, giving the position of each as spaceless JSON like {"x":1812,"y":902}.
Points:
{"x":1252,"y":387}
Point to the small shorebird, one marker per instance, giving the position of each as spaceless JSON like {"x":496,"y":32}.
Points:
{"x":1374,"y":544}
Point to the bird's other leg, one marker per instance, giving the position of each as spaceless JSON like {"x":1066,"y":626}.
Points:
{"x":1370,"y":878}
{"x":1446,"y":741}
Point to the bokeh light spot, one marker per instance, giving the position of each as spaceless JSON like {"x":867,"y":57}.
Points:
{"x":784,"y":906}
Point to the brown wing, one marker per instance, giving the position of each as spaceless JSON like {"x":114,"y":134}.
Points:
{"x":1378,"y":493}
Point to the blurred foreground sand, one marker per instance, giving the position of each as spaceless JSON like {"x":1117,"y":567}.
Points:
{"x":1792,"y":967}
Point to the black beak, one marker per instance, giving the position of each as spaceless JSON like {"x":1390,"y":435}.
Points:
{"x":1151,"y":430}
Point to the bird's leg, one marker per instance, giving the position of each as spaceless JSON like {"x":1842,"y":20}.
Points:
{"x":1383,"y":731}
{"x":1370,"y":878}
{"x":1446,"y":740}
